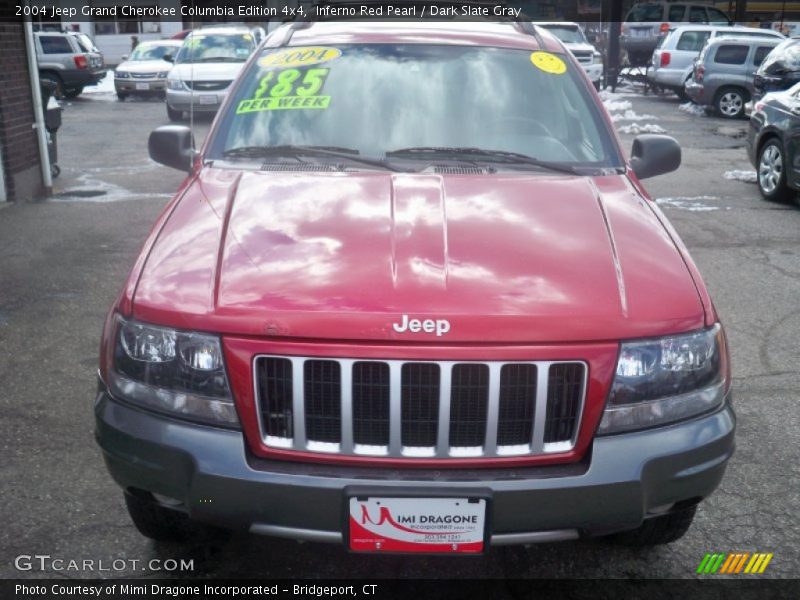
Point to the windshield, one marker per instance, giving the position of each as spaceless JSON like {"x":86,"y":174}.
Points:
{"x":377,"y":99}
{"x":152,"y":51}
{"x":216,"y":47}
{"x":567,"y":34}
{"x":644,"y":13}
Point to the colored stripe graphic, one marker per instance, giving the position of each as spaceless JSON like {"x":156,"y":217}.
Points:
{"x":734,"y":563}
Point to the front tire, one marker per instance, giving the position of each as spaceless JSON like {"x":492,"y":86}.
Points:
{"x":771,"y":174}
{"x":729,"y":103}
{"x":121,"y":97}
{"x":72,"y":92}
{"x":155,"y":521}
{"x":174,"y":115}
{"x":659,"y":530}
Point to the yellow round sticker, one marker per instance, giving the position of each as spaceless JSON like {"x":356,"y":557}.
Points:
{"x":549,"y":63}
{"x":299,"y":57}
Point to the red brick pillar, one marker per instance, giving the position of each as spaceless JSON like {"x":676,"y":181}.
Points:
{"x":18,"y":141}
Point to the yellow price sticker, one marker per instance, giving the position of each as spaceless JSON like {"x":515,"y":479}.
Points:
{"x":299,"y":57}
{"x":549,"y":63}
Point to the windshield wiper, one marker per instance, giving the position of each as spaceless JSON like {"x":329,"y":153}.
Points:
{"x":498,"y":156}
{"x":297,"y":152}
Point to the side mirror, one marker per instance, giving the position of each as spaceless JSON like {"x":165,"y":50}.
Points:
{"x":654,"y":154}
{"x":173,"y":146}
{"x":125,"y":56}
{"x":168,"y":57}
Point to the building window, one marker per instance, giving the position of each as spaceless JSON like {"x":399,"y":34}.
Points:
{"x":114,"y":25}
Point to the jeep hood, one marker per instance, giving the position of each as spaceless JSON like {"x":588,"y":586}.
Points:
{"x":517,"y":258}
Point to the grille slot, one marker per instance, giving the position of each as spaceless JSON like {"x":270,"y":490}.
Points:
{"x":323,"y":405}
{"x":564,"y":391}
{"x":400,"y":409}
{"x":469,"y":401}
{"x":419,"y":404}
{"x":371,"y":403}
{"x":517,"y":403}
{"x":206,"y":86}
{"x":275,"y":392}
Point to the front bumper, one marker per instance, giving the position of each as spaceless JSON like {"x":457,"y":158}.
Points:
{"x":695,"y":91}
{"x":622,"y":480}
{"x":140,"y":86}
{"x":197,"y":101}
{"x":594,"y":71}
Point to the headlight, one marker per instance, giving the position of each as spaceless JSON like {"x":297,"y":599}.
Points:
{"x":163,"y":74}
{"x":597,"y":58}
{"x":121,"y":74}
{"x":666,"y":380}
{"x":171,"y":371}
{"x":174,"y":84}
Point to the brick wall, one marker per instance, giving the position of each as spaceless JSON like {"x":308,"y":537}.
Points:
{"x":20,"y":149}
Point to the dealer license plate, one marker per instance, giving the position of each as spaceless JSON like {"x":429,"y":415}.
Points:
{"x":208,"y":99}
{"x":438,"y":525}
{"x":142,"y":86}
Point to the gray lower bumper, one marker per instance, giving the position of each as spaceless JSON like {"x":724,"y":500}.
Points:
{"x":625,"y":479}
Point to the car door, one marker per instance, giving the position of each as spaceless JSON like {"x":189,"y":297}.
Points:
{"x":790,"y":105}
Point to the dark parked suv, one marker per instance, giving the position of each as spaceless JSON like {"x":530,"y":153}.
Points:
{"x":69,"y":60}
{"x":780,"y":69}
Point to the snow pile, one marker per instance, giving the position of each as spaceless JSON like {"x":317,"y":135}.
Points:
{"x":613,"y":105}
{"x":693,"y":109}
{"x":745,"y":176}
{"x":637,"y":128}
{"x":105,"y":86}
{"x":691,"y":203}
{"x":629,"y":115}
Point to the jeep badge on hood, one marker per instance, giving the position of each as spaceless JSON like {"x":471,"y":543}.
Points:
{"x":439,"y":326}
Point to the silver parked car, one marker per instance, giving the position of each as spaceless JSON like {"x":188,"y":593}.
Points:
{"x":208,"y":62}
{"x":673,"y":60}
{"x":647,"y":22}
{"x":70,"y":61}
{"x":723,"y":73}
{"x":145,"y":70}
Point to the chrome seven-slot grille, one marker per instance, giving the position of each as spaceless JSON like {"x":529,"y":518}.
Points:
{"x":396,"y":409}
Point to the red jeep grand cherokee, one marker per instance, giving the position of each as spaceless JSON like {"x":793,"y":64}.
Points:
{"x":412,"y":297}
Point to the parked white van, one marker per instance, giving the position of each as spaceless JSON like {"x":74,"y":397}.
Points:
{"x":671,"y":66}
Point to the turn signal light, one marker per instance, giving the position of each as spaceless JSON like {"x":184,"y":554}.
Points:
{"x":81,"y":62}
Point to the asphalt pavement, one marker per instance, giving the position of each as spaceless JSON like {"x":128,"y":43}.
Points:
{"x":63,"y":261}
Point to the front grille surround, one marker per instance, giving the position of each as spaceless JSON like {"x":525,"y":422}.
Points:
{"x":536,"y":373}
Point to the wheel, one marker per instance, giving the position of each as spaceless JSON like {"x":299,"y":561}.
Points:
{"x":596,"y":85}
{"x":163,"y":524}
{"x":174,"y":115}
{"x":121,"y":96}
{"x":55,"y":171}
{"x":729,"y":102}
{"x":58,"y":86}
{"x":73,"y":92}
{"x":155,"y":521}
{"x":659,"y":530}
{"x":771,"y":175}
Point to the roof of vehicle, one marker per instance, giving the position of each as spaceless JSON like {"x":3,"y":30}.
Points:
{"x":764,"y":32}
{"x":167,"y":42}
{"x":557,"y":24}
{"x":728,"y":39}
{"x":222,"y":29}
{"x":504,"y":34}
